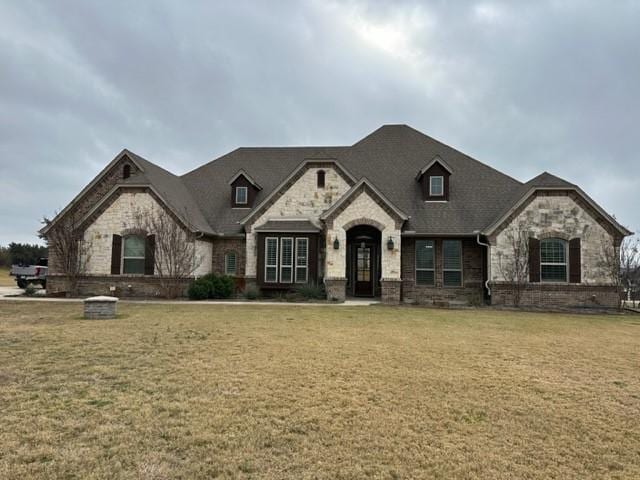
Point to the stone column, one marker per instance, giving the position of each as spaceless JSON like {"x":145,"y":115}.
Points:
{"x":336,"y":288}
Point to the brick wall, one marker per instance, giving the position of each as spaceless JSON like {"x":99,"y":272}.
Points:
{"x":471,"y":290}
{"x":557,"y":295}
{"x":126,"y":285}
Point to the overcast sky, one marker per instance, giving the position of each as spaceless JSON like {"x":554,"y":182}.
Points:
{"x":538,"y":86}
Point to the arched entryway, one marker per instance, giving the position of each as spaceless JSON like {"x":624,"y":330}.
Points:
{"x":363,"y":261}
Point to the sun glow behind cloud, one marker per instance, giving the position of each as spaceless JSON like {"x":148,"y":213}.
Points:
{"x":396,"y":35}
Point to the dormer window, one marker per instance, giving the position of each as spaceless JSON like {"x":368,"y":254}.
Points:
{"x":436,"y":186}
{"x":241,"y":195}
{"x":321,"y":175}
{"x":435,"y":180}
{"x":243,"y":190}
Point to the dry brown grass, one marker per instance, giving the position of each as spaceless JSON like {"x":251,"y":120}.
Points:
{"x":201,"y":391}
{"x":5,"y":279}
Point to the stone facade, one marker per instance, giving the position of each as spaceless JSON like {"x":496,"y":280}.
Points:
{"x":471,"y":291}
{"x":561,"y":215}
{"x":118,"y":217}
{"x":303,"y":199}
{"x":204,"y":257}
{"x":363,"y":210}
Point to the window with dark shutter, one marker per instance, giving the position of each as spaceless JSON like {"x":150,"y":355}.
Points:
{"x":116,"y":254}
{"x":534,"y":260}
{"x":575,"y":268}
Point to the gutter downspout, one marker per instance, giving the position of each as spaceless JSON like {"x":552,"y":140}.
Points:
{"x":486,"y":283}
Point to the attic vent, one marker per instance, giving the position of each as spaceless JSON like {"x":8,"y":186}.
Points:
{"x":126,"y":171}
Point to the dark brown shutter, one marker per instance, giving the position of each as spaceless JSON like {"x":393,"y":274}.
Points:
{"x":116,"y":254}
{"x":575,"y":273}
{"x":534,"y":259}
{"x":149,"y":254}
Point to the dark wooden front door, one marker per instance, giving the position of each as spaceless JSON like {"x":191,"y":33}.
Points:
{"x":363,"y":270}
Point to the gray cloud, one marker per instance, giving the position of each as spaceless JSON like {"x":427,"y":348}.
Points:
{"x":524,"y":87}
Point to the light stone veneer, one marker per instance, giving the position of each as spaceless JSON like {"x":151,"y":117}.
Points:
{"x":204,"y":258}
{"x":119,"y":216}
{"x":363,"y":207}
{"x":561,"y":216}
{"x":302,"y":200}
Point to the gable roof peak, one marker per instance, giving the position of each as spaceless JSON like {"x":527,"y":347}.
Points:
{"x":436,"y":159}
{"x":243,"y":173}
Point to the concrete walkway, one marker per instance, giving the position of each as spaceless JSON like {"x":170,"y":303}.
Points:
{"x":15,"y":294}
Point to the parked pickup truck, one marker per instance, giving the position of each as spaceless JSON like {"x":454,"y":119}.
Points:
{"x":26,"y":274}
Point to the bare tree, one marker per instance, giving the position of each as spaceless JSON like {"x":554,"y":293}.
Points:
{"x":513,"y":263}
{"x":630,"y":266}
{"x":175,"y":257}
{"x":620,"y":260}
{"x":69,"y":251}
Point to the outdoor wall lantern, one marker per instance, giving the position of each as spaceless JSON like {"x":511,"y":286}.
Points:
{"x":390,"y":243}
{"x":336,"y":244}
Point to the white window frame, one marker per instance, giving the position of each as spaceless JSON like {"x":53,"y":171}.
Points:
{"x":291,"y":265}
{"x":226,"y":263}
{"x":441,"y":194}
{"x":124,"y":246}
{"x":266,"y":259}
{"x":565,"y":264}
{"x":246,"y":195}
{"x":433,"y":252}
{"x":305,"y":240}
{"x":453,"y":269}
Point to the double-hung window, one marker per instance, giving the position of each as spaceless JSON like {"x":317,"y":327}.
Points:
{"x":425,"y":265}
{"x":302,"y":260}
{"x":133,"y":254}
{"x":241,"y":195}
{"x":451,"y":263}
{"x":436,"y":186}
{"x":553,"y":260}
{"x":271,"y":260}
{"x":286,"y":260}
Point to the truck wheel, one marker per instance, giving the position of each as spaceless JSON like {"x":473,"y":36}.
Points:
{"x":22,"y":283}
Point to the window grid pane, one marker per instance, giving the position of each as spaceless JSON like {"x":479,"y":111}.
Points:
{"x":435,"y":185}
{"x":302,"y":252}
{"x":452,"y":278}
{"x":425,"y":274}
{"x":452,"y":263}
{"x":271,"y":260}
{"x":241,"y":194}
{"x":286,"y":260}
{"x":133,"y":265}
{"x":134,"y":247}
{"x":553,"y":260}
{"x":230,"y":263}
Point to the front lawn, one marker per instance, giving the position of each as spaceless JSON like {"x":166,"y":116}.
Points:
{"x":206,"y":391}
